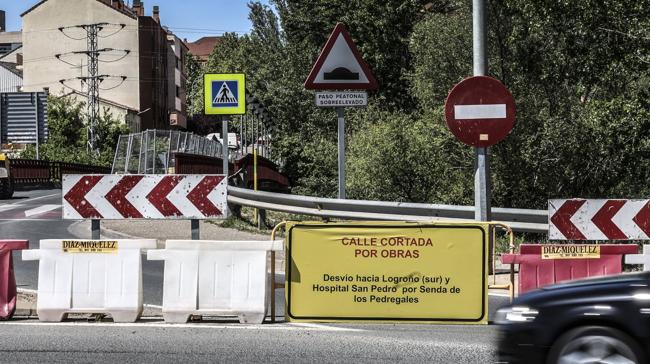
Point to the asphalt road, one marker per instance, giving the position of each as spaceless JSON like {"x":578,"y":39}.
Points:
{"x":34,"y":215}
{"x":29,"y":342}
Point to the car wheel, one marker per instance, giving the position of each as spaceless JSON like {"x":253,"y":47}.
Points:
{"x":595,"y":344}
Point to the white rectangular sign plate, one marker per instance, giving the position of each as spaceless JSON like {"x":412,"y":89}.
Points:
{"x":492,"y":111}
{"x":341,"y":99}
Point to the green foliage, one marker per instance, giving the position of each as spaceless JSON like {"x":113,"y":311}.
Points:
{"x":579,"y":71}
{"x":407,"y":158}
{"x":194,"y":85}
{"x":67,"y":140}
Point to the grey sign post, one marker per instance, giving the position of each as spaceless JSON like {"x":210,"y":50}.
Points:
{"x":482,"y":185}
{"x":340,"y":67}
{"x":340,"y":112}
{"x":340,"y":100}
{"x":224,"y":145}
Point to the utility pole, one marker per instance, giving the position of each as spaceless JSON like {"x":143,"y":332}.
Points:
{"x":93,"y":84}
{"x":93,"y":79}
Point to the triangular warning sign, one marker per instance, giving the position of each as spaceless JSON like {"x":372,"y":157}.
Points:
{"x":224,"y":95}
{"x":339,"y":65}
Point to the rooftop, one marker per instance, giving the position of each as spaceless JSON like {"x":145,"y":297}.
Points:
{"x":203,"y":47}
{"x":117,"y":5}
{"x":11,"y":37}
{"x":12,"y":67}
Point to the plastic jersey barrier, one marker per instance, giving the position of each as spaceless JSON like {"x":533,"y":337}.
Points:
{"x":7,"y":279}
{"x":89,"y":276}
{"x":215,"y":278}
{"x":544,"y":264}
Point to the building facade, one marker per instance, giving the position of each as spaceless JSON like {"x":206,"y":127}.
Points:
{"x":11,"y":78}
{"x":133,"y":56}
{"x":178,"y":96}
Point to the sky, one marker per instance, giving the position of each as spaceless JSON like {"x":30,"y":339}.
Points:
{"x":191,"y":19}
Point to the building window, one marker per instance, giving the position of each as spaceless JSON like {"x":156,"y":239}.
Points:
{"x":178,"y":91}
{"x":178,"y":61}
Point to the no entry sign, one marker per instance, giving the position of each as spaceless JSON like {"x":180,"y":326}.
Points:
{"x":480,"y":111}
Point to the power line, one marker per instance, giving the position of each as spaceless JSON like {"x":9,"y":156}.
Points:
{"x":94,"y":79}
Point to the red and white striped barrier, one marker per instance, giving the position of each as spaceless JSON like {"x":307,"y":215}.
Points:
{"x":581,"y":219}
{"x":144,"y":196}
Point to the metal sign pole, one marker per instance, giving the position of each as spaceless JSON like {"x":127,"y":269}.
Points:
{"x":37,"y":129}
{"x":196,"y":233}
{"x":341,"y":116}
{"x":224,"y":139}
{"x":482,"y":188}
{"x":95,"y":228}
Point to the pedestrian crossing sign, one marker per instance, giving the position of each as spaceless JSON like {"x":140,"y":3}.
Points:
{"x":225,"y":93}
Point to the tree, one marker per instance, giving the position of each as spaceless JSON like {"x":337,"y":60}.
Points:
{"x":579,"y":72}
{"x":408,"y":158}
{"x":194,"y":85}
{"x":67,"y":139}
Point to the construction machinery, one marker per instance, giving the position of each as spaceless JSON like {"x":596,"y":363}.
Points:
{"x":6,"y":180}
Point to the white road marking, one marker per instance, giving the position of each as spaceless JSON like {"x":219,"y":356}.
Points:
{"x":322,"y":327}
{"x":489,"y":111}
{"x":27,"y":290}
{"x":41,"y":210}
{"x":499,"y":294}
{"x":8,"y":207}
{"x":16,"y":205}
{"x":28,"y":219}
{"x":199,"y":325}
{"x":42,"y":197}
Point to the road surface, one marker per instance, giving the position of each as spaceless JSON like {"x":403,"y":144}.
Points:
{"x":35,"y":215}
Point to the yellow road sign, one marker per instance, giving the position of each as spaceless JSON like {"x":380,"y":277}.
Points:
{"x":224,"y":93}
{"x":387,"y":271}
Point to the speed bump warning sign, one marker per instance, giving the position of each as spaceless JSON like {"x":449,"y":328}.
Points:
{"x":378,"y":271}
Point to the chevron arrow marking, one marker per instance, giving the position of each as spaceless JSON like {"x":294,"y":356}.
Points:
{"x":562,"y":219}
{"x":76,"y":197}
{"x":158,"y":196}
{"x":642,"y":219}
{"x":117,"y":197}
{"x":603,"y":220}
{"x":114,"y":196}
{"x":199,"y":196}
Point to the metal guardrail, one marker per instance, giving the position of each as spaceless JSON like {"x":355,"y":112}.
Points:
{"x":521,"y":220}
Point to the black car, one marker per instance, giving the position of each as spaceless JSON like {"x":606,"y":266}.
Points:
{"x":598,"y":320}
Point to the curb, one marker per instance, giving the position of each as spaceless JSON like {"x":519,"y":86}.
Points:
{"x":75,"y":230}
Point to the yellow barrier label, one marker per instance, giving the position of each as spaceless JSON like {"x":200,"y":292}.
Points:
{"x":569,"y":251}
{"x":79,"y":246}
{"x":387,"y":272}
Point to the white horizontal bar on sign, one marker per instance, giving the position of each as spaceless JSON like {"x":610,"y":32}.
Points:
{"x":489,"y":111}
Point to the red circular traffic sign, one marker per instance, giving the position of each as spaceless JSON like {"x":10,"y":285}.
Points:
{"x":480,"y":111}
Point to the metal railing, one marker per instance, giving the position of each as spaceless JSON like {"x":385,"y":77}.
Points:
{"x":152,"y":151}
{"x":32,"y":171}
{"x":521,"y":220}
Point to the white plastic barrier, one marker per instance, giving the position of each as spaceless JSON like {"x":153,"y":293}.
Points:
{"x":215,"y":278}
{"x":89,"y":276}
